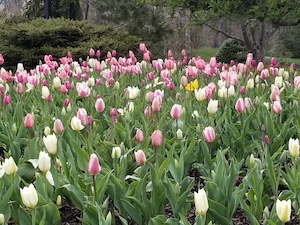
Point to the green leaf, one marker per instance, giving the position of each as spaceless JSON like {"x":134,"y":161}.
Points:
{"x":134,"y":212}
{"x":247,"y":210}
{"x":74,"y":195}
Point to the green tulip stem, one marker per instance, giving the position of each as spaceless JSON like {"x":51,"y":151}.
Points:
{"x":176,"y":125}
{"x":33,"y":217}
{"x":94,"y":185}
{"x":156,"y":158}
{"x":29,"y":150}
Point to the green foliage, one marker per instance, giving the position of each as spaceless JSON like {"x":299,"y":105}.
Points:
{"x":291,"y":41}
{"x":28,"y":42}
{"x":231,"y":50}
{"x":69,"y":9}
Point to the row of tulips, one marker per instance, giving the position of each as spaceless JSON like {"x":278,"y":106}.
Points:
{"x":120,"y":137}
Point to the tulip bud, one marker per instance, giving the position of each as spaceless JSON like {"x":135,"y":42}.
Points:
{"x":156,"y":138}
{"x":45,"y":92}
{"x":108,"y":218}
{"x":29,"y":196}
{"x":76,"y":124}
{"x":50,"y":143}
{"x":56,"y":82}
{"x":155,"y":105}
{"x":139,"y":136}
{"x":29,"y":121}
{"x":6,"y":100}
{"x":294,"y":147}
{"x":212,"y":106}
{"x":10,"y":166}
{"x":179,"y":134}
{"x":209,"y":134}
{"x":116,"y":152}
{"x":94,"y":165}
{"x":276,"y":107}
{"x":47,"y":131}
{"x":283,"y":210}
{"x":58,"y":200}
{"x":58,"y":126}
{"x":176,"y":111}
{"x":99,"y":105}
{"x":2,"y":219}
{"x":201,"y":202}
{"x":44,"y":162}
{"x":140,"y":157}
{"x":240,"y":105}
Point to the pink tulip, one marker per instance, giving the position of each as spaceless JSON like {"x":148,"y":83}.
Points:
{"x":156,"y":104}
{"x":275,"y":94}
{"x":113,"y":112}
{"x":273,"y":61}
{"x":176,"y":111}
{"x":98,"y":53}
{"x":171,"y":86}
{"x":184,"y":81}
{"x":139,"y":136}
{"x":82,"y":89}
{"x":67,"y":102}
{"x":140,"y":157}
{"x":63,"y":89}
{"x":82,"y":115}
{"x":1,"y":59}
{"x":240,"y":105}
{"x":143,"y":47}
{"x":267,"y":139}
{"x":150,"y":76}
{"x":276,"y":107}
{"x":156,"y":138}
{"x":213,"y":62}
{"x":29,"y":121}
{"x":92,"y":52}
{"x":58,"y":126}
{"x":242,"y":90}
{"x":6,"y":100}
{"x":94,"y":165}
{"x":100,"y":105}
{"x":20,"y":88}
{"x":209,"y":134}
{"x":260,"y":67}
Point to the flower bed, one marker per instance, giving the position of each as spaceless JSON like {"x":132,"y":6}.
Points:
{"x":119,"y":138}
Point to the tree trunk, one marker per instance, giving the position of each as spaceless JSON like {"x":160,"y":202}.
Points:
{"x":87,"y":9}
{"x":256,"y":38}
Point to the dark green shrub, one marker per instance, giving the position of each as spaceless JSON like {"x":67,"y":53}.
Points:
{"x":231,"y":49}
{"x":28,"y":42}
{"x":291,"y":41}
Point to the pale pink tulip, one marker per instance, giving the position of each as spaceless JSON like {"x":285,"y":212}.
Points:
{"x":139,"y":136}
{"x":209,"y":134}
{"x":156,"y":104}
{"x":29,"y":121}
{"x":99,"y":105}
{"x":140,"y":157}
{"x":156,"y":138}
{"x":276,"y":107}
{"x":240,"y":105}
{"x":82,"y":89}
{"x":58,"y":126}
{"x":94,"y":165}
{"x":176,"y":111}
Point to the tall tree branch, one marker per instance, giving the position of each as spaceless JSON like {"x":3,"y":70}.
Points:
{"x":223,"y":32}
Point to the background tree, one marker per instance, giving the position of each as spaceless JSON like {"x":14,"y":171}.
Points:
{"x":257,"y":20}
{"x":69,"y":9}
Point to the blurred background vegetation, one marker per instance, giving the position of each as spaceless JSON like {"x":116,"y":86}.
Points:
{"x":200,"y":27}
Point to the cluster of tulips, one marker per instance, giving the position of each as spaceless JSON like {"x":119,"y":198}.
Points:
{"x":118,"y":138}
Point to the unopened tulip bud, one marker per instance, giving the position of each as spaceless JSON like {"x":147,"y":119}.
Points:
{"x":294,"y":147}
{"x":156,"y":138}
{"x":50,"y":143}
{"x":209,"y":134}
{"x":10,"y":166}
{"x":176,"y":111}
{"x":184,"y":81}
{"x":240,"y":105}
{"x":58,"y":126}
{"x":212,"y":106}
{"x":47,"y":131}
{"x":276,"y":107}
{"x":116,"y":152}
{"x":201,"y":202}
{"x":266,"y":139}
{"x":108,"y":218}
{"x":139,"y":136}
{"x":252,"y":159}
{"x":29,"y":196}
{"x":2,"y":219}
{"x":57,"y":82}
{"x":179,"y":134}
{"x":99,"y":105}
{"x":94,"y":165}
{"x":58,"y":201}
{"x":6,"y":100}
{"x":44,"y":162}
{"x":29,"y":121}
{"x":283,"y":210}
{"x":140,"y":157}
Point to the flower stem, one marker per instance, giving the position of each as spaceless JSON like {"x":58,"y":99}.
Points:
{"x":95,"y":189}
{"x":33,"y":217}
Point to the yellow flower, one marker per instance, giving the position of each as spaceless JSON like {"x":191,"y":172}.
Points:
{"x":192,"y":86}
